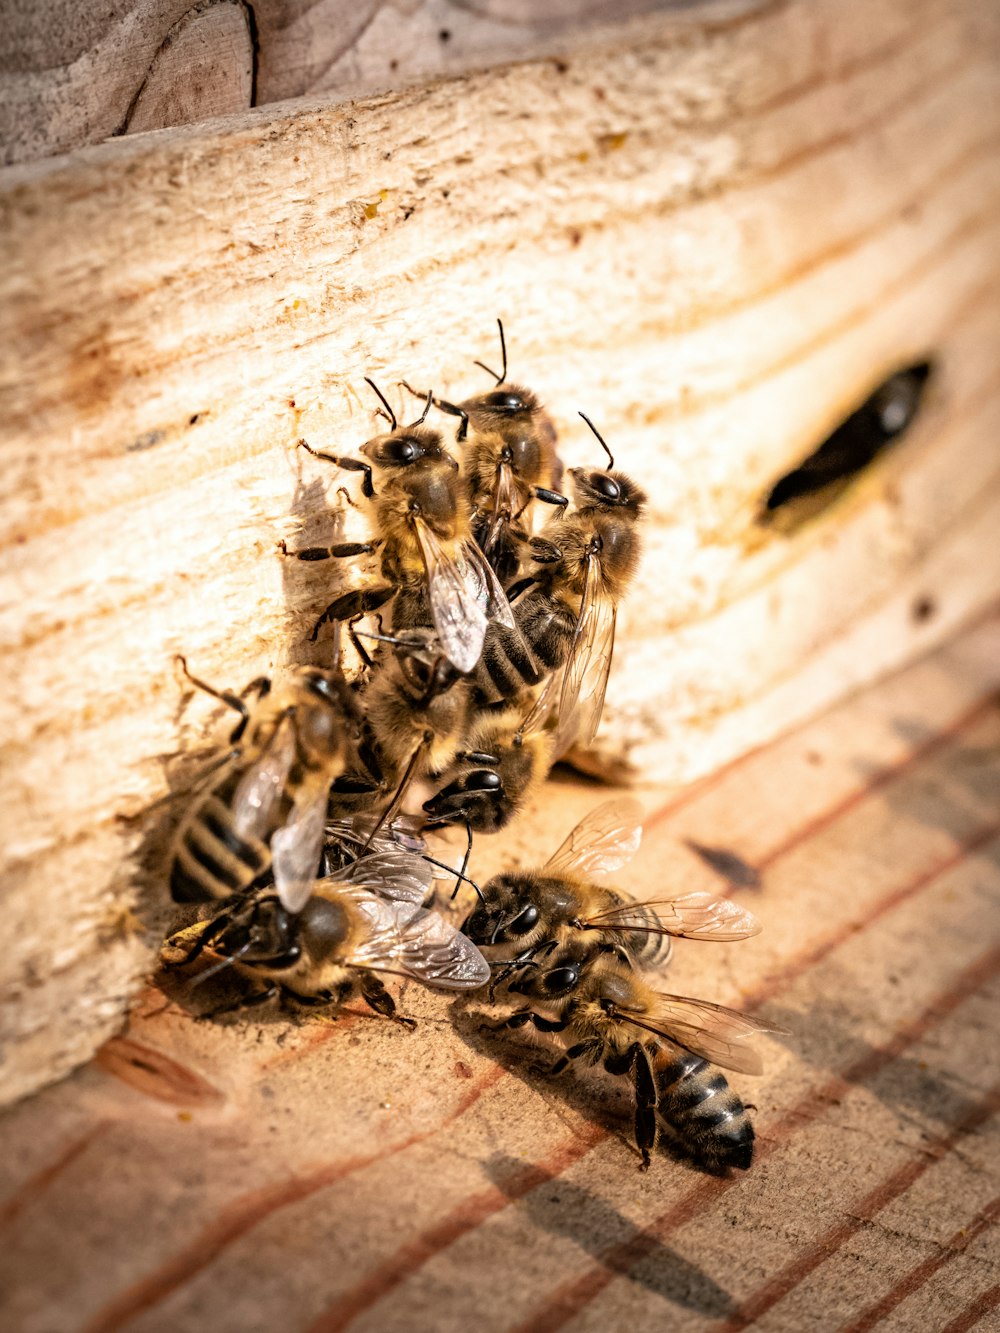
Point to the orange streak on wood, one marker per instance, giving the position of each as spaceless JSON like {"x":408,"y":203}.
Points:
{"x":471,"y":1213}
{"x":244,"y":1213}
{"x":982,"y":1305}
{"x":872,"y":1203}
{"x":570,"y":1299}
{"x":22,"y":1198}
{"x":155,"y":1074}
{"x":916,"y":1277}
{"x":720,"y":775}
{"x":883,"y":778}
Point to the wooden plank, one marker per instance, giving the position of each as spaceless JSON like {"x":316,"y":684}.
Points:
{"x":716,"y":240}
{"x":76,"y":70}
{"x":354,"y":1176}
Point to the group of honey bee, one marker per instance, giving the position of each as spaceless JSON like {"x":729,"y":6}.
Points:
{"x":486,"y":658}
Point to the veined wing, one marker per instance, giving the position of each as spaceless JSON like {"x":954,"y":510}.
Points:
{"x":712,"y":1031}
{"x":508,"y":502}
{"x":694,"y":916}
{"x":296,"y":849}
{"x":489,"y":590}
{"x":393,"y":874}
{"x":588,"y":665}
{"x":418,"y":944}
{"x":604,"y":840}
{"x":459,"y":619}
{"x":259,"y":792}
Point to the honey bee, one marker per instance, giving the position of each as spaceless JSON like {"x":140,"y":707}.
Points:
{"x":561,"y":904}
{"x":365,"y":920}
{"x":498,"y":769}
{"x":416,"y":708}
{"x":262,"y":813}
{"x":566,"y":607}
{"x":667,"y":1045}
{"x":426,"y":547}
{"x":508,"y":459}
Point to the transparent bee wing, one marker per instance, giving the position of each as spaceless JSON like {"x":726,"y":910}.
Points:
{"x":259,"y":792}
{"x":712,"y":1031}
{"x":604,"y":840}
{"x":490,"y":594}
{"x":585,"y":679}
{"x":393,"y":874}
{"x":453,"y":592}
{"x":296,"y":849}
{"x":420,"y":944}
{"x":544,"y":705}
{"x":694,"y":916}
{"x":510,"y":498}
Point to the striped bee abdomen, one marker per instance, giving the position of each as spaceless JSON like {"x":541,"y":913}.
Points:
{"x":210,"y":859}
{"x":699,"y":1106}
{"x":648,"y":949}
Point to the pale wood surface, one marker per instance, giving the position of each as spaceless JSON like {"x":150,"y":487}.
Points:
{"x":715,"y":240}
{"x":265,"y":1174}
{"x":73,"y":71}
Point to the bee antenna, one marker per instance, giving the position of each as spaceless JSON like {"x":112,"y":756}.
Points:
{"x":443,"y":865}
{"x":389,"y":414}
{"x":427,"y":407}
{"x":503,"y":352}
{"x":611,"y":461}
{"x":219,"y":967}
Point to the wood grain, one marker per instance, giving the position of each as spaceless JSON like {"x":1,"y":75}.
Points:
{"x":74,"y":71}
{"x":715,"y":240}
{"x":352,"y":1176}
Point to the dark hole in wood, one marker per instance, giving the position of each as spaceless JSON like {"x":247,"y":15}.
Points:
{"x":880,"y":420}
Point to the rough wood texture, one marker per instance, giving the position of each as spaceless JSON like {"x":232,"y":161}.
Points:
{"x":204,"y":68}
{"x":353,"y":1176}
{"x":715,"y":241}
{"x":72,"y":70}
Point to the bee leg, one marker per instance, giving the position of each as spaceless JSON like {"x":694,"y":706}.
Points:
{"x":348,"y":464}
{"x":338,"y":551}
{"x":517,"y":1020}
{"x":582,"y":1048}
{"x":378,"y":998}
{"x":224,"y":696}
{"x":351,"y":605}
{"x":550,"y":497}
{"x":453,"y":410}
{"x":646,"y":1100}
{"x":245,"y":1002}
{"x":508,"y":967}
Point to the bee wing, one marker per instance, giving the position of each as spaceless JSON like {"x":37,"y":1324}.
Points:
{"x":296,"y":849}
{"x":604,"y":840}
{"x":459,"y":619}
{"x":694,"y":916}
{"x":712,"y":1031}
{"x":418,"y":944}
{"x":490,"y":595}
{"x":259,"y":792}
{"x":588,"y":666}
{"x":393,"y":874}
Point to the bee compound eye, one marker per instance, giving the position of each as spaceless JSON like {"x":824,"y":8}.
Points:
{"x":505,"y":402}
{"x":524,"y":921}
{"x":561,"y":979}
{"x":606,"y":486}
{"x":483,"y":780}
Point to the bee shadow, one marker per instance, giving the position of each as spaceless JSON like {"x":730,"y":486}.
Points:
{"x":560,"y":1207}
{"x":589,"y":1092}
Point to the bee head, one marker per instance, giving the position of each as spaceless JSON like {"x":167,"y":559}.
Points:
{"x":407,"y":447}
{"x":606,"y":490}
{"x":323,"y":926}
{"x":265,"y":934}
